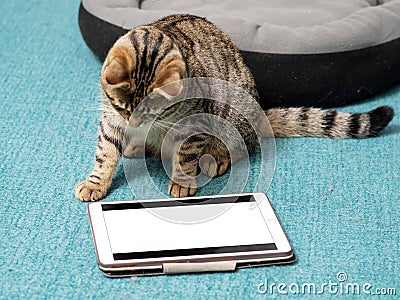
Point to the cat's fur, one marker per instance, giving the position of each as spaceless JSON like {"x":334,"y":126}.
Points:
{"x":153,"y":58}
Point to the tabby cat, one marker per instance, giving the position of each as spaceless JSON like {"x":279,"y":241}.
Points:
{"x":153,"y":58}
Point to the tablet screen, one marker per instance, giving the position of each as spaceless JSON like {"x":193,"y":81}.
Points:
{"x":136,"y":231}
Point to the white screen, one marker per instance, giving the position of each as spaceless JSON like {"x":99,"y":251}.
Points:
{"x":139,"y":230}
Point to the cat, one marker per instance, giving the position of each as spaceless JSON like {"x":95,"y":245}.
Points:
{"x":153,"y":60}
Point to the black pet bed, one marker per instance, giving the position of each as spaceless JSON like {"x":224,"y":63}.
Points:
{"x":302,"y":53}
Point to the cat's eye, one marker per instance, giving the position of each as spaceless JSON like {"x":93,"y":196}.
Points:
{"x":140,"y":109}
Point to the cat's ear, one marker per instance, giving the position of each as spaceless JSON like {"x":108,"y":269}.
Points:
{"x":116,"y":73}
{"x":168,"y":80}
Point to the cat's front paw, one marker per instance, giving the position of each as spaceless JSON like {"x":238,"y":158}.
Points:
{"x":212,"y":168}
{"x":87,"y":191}
{"x":184,"y":190}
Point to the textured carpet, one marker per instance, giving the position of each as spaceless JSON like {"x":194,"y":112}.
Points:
{"x":338,"y":201}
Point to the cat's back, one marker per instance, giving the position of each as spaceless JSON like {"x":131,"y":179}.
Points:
{"x":201,"y":42}
{"x":190,"y":30}
{"x":208,"y":51}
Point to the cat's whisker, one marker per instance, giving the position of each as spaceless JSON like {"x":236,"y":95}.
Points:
{"x":106,"y":108}
{"x":166,"y":122}
{"x":178,"y":127}
{"x":176,"y":124}
{"x":166,"y":128}
{"x":160,"y":125}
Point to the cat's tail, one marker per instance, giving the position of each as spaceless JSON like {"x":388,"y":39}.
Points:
{"x":315,"y":122}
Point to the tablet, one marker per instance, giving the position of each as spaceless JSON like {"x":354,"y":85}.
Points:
{"x":181,"y":235}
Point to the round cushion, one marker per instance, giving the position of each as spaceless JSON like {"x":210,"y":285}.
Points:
{"x":302,"y":53}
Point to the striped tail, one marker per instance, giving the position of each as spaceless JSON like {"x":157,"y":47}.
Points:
{"x":315,"y":122}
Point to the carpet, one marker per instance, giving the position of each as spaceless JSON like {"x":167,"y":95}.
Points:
{"x":338,"y":200}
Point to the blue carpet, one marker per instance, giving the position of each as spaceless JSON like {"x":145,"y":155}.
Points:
{"x":337,"y":200}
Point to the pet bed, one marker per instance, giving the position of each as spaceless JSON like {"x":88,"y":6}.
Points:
{"x":321,"y":53}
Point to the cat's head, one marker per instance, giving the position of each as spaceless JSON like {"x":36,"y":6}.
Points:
{"x":142,"y":62}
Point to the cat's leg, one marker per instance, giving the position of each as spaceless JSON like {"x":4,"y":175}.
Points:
{"x":108,"y":154}
{"x":216,"y":159}
{"x":185,"y":163}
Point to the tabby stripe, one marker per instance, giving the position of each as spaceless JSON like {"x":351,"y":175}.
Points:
{"x":175,"y":36}
{"x":155,"y":51}
{"x":190,"y":146}
{"x":284,"y":116}
{"x":140,"y":89}
{"x":160,"y":59}
{"x":95,"y":176}
{"x":179,"y":35}
{"x":186,"y":38}
{"x":227,"y":108}
{"x":189,"y":157}
{"x":304,"y":115}
{"x":99,"y":160}
{"x":219,"y":166}
{"x":144,"y":54}
{"x":112,"y":100}
{"x":181,"y":20}
{"x":116,"y":107}
{"x":141,"y":68}
{"x":194,"y":139}
{"x":164,"y":115}
{"x":110,"y":139}
{"x":135,"y":44}
{"x":91,"y":181}
{"x":135,"y":93}
{"x":108,"y":96}
{"x":329,"y":120}
{"x":354,"y":125}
